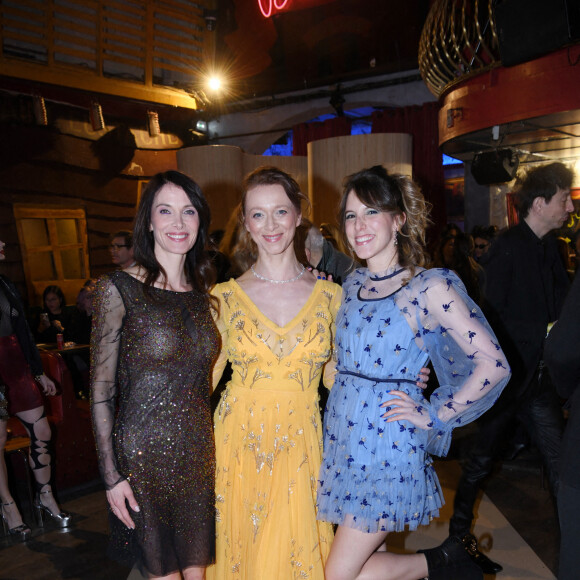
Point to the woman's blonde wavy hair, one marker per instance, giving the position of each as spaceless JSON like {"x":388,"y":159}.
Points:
{"x":399,"y":195}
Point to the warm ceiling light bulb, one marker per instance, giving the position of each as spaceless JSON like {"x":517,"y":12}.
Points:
{"x":215,"y":84}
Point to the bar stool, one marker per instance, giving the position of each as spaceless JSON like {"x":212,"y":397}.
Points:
{"x":19,"y":446}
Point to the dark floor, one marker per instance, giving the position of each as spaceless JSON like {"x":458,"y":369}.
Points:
{"x":79,"y":553}
{"x":74,"y":553}
{"x":522,"y":495}
{"x":519,"y":489}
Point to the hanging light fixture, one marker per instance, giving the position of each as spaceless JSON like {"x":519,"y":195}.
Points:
{"x":210,"y":17}
{"x":153,"y":123}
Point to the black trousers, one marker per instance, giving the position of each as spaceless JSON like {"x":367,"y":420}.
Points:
{"x":569,"y":514}
{"x":540,"y":411}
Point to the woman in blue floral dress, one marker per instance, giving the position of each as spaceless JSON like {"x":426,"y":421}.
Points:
{"x":380,"y":431}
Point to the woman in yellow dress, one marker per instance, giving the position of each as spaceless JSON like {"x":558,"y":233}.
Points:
{"x":277,"y":326}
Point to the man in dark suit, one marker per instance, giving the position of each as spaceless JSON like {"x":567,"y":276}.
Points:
{"x":525,"y":290}
{"x":562,"y":356}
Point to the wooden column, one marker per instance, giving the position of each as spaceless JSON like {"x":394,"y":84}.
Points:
{"x":220,"y":169}
{"x":331,"y":160}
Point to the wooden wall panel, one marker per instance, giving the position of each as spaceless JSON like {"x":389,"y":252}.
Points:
{"x":67,"y":175}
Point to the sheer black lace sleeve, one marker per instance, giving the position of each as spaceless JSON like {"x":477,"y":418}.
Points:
{"x":108,"y":316}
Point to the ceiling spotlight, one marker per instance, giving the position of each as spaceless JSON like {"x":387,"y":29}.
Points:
{"x":153,"y":123}
{"x":96,"y":116}
{"x":215,"y":83}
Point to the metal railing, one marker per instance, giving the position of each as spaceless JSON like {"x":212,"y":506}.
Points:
{"x":459,"y":40}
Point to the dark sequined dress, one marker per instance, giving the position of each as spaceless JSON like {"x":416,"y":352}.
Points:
{"x":151,"y":356}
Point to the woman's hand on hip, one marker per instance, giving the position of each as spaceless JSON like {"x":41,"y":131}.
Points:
{"x":404,"y":408}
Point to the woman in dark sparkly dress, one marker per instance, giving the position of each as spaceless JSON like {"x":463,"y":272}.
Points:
{"x":152,"y":348}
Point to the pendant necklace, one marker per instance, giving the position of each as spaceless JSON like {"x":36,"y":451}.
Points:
{"x":260,"y":277}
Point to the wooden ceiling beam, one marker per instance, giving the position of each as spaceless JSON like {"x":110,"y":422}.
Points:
{"x":72,"y":78}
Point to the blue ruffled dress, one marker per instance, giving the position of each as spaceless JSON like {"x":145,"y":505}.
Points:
{"x":378,"y":476}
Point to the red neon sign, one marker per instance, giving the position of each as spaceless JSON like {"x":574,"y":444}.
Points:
{"x":267,"y":6}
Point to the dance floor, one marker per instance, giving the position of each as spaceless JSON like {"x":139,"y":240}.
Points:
{"x":516,"y":525}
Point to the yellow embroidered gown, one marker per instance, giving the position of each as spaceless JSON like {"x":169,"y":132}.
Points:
{"x":269,"y":438}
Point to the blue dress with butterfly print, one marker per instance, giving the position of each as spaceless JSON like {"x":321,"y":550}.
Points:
{"x":378,"y":476}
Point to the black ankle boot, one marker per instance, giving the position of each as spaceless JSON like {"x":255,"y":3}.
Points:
{"x":450,"y":561}
{"x":487,"y":565}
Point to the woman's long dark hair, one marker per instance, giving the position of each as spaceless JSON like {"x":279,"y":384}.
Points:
{"x":199,"y":270}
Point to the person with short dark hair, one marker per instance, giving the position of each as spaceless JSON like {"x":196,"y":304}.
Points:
{"x":526,"y":285}
{"x":121,"y":248}
{"x":153,"y":344}
{"x":483,"y":238}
